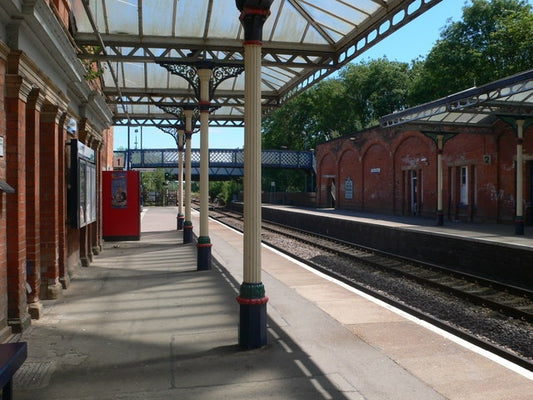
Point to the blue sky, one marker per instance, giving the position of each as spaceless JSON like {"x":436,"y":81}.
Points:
{"x":405,"y":45}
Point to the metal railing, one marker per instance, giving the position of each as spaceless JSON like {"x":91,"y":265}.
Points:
{"x":218,"y":158}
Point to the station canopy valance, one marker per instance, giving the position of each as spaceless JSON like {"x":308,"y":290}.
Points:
{"x":511,"y":97}
{"x":303,"y":42}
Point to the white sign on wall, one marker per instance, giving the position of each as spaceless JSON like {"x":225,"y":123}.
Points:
{"x":348,"y":189}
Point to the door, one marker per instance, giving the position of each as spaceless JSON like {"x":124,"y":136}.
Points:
{"x":463,"y":186}
{"x":414,"y":192}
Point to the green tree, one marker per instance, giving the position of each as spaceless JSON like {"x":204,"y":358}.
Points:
{"x":374,"y":89}
{"x":493,"y":40}
{"x":224,"y":190}
{"x":153,"y":182}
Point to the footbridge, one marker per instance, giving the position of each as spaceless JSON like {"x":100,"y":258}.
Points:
{"x":223,"y":163}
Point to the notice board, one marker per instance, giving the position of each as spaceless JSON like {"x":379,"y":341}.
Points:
{"x":121,"y":205}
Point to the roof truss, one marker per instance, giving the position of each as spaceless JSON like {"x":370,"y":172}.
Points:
{"x":303,"y":42}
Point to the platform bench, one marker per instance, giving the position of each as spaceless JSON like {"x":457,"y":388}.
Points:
{"x":12,"y":356}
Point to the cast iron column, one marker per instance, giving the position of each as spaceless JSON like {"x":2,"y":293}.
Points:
{"x":187,"y":225}
{"x":252,"y":299}
{"x":520,"y":126}
{"x":440,"y":213}
{"x":203,"y":261}
{"x":180,"y":216}
{"x":519,"y":219}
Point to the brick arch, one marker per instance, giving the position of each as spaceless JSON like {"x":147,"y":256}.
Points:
{"x":377,"y":177}
{"x":415,"y":159}
{"x":327,"y":165}
{"x":506,"y":195}
{"x":349,"y":168}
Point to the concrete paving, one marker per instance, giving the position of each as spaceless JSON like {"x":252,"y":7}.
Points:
{"x":141,"y":323}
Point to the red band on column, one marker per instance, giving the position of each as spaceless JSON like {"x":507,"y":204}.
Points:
{"x":255,"y":10}
{"x":250,"y":42}
{"x":252,"y":302}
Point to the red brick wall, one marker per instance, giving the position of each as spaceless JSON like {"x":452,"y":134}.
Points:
{"x":381,"y":162}
{"x":33,"y":222}
{"x":3,"y":228}
{"x":49,"y":208}
{"x":16,"y":209}
{"x":415,"y":152}
{"x":350,"y":169}
{"x":377,"y":178}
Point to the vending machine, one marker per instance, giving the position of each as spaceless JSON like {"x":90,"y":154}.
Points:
{"x":121,"y":205}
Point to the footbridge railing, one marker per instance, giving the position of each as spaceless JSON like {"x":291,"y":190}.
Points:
{"x":222,"y":162}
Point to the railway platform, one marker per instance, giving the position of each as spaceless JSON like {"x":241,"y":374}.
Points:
{"x":141,"y":323}
{"x":489,"y":251}
{"x":502,"y":234}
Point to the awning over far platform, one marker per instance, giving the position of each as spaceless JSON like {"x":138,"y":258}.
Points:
{"x":510,"y":97}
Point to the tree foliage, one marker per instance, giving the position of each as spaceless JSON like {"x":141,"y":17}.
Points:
{"x":340,"y":106}
{"x":493,"y":40}
{"x":224,"y":191}
{"x":375,"y":89}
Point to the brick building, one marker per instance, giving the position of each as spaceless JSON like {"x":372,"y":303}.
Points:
{"x":45,"y":102}
{"x":393,"y":169}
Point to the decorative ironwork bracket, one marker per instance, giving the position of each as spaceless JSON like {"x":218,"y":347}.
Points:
{"x":189,"y":72}
{"x":178,"y":112}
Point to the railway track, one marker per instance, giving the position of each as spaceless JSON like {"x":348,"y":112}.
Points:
{"x":508,"y":301}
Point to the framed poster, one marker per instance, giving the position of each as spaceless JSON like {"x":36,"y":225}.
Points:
{"x":82,"y":197}
{"x":119,"y":190}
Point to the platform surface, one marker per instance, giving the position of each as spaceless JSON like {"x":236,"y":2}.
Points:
{"x":141,"y":323}
{"x":493,"y":233}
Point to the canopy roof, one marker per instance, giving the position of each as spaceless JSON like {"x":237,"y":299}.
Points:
{"x":510,"y":97}
{"x":303,"y":42}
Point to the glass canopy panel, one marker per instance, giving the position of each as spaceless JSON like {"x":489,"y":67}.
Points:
{"x":190,"y":18}
{"x":310,"y":33}
{"x":230,"y":84}
{"x":174,"y":81}
{"x":82,"y":21}
{"x":276,"y":76}
{"x":121,"y":16}
{"x":340,"y":21}
{"x":139,"y":109}
{"x":157,"y":77}
{"x":134,"y":75}
{"x":224,"y":23}
{"x":157,"y":17}
{"x":286,"y":26}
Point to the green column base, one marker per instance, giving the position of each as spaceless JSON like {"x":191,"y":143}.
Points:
{"x":519,"y":225}
{"x":203,"y":261}
{"x":187,"y":232}
{"x":253,"y":316}
{"x":180,"y":219}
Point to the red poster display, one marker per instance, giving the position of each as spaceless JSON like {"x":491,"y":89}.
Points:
{"x":121,"y":205}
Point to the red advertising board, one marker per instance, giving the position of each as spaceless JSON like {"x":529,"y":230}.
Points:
{"x":121,"y":205}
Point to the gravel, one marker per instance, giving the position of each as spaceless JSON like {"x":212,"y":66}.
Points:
{"x":514,"y":335}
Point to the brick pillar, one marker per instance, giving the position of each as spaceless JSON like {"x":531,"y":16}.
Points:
{"x":5,"y":331}
{"x":33,"y":221}
{"x":15,"y":148}
{"x":49,"y":208}
{"x":64,"y":276}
